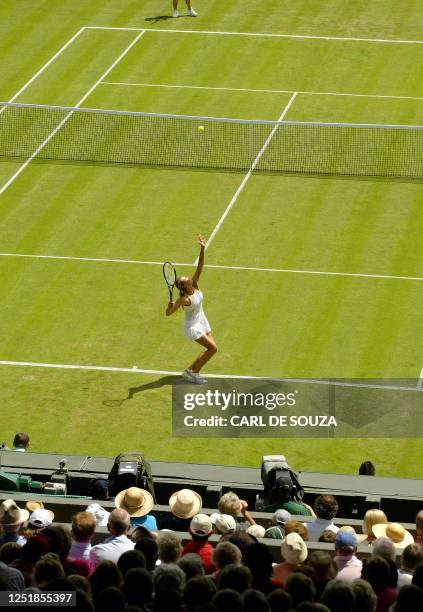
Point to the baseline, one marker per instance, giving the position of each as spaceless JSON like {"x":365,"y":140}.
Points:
{"x":136,"y":370}
{"x":265,"y":35}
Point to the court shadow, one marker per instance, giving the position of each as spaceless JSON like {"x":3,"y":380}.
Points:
{"x":132,"y":391}
{"x":160,"y":18}
{"x":155,"y":384}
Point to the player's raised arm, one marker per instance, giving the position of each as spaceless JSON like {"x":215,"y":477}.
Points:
{"x":202,"y":241}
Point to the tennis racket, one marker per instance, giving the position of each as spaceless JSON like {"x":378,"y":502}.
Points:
{"x":169,"y":274}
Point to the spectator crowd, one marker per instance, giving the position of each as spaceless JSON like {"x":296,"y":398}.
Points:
{"x":144,"y":564}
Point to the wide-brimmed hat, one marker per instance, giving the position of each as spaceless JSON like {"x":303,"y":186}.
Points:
{"x":185,"y":503}
{"x":360,"y":537}
{"x":136,"y":501}
{"x":294,"y":549}
{"x":33,"y":505}
{"x":41,"y":518}
{"x":395,"y":532}
{"x":10,"y":514}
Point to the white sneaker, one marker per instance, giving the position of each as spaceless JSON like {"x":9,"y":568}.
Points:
{"x":192,"y":12}
{"x":188,"y":375}
{"x":197,"y":379}
{"x":175,"y":13}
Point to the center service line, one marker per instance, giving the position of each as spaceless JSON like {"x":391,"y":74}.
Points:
{"x":249,"y":173}
{"x":41,"y":70}
{"x":136,"y":370}
{"x":420,"y":381}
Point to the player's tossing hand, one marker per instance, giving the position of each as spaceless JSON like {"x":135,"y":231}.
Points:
{"x":202,"y":241}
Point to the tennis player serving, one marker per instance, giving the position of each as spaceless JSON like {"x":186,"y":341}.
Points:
{"x":196,"y":326}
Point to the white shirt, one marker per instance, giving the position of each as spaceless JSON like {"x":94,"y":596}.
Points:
{"x":404,"y":577}
{"x":111,"y":549}
{"x":318,"y":526}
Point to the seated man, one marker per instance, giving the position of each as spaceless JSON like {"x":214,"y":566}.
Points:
{"x":201,"y":529}
{"x":411,"y":557}
{"x":21,"y":442}
{"x":349,"y":567}
{"x":326,"y":508}
{"x":184,"y":504}
{"x":169,"y":547}
{"x":286,"y":501}
{"x":111,"y":549}
{"x":83,"y":529}
{"x":138,"y":503}
{"x":293,"y":551}
{"x":367,"y":469}
{"x":277,"y":529}
{"x":11,"y":520}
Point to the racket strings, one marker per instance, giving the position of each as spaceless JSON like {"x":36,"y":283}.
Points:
{"x":169,"y":273}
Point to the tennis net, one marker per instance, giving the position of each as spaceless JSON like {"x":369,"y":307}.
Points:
{"x":30,"y":131}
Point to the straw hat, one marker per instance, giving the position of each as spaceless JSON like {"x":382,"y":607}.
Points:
{"x":11,"y":515}
{"x":395,"y":532}
{"x":136,"y":501}
{"x":185,"y":503}
{"x":33,"y":505}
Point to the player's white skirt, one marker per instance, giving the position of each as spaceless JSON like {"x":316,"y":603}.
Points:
{"x":198,"y":329}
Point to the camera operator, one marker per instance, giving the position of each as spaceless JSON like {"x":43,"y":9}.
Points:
{"x":283,"y":498}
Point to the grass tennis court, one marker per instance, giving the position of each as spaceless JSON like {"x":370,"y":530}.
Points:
{"x":314,"y":277}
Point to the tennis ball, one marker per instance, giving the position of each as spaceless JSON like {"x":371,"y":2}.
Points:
{"x":201,"y":128}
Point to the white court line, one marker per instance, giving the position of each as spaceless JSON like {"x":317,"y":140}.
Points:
{"x":215,"y":266}
{"x":272,"y":91}
{"x":267,"y":35}
{"x":41,"y":70}
{"x":136,"y":370}
{"x":68,"y":116}
{"x":420,"y":381}
{"x":249,"y":173}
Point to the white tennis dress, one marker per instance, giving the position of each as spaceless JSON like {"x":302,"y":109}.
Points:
{"x":196,"y":324}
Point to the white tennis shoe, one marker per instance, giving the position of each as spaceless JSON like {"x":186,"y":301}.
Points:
{"x":197,"y":379}
{"x":188,"y":375}
{"x":175,"y":13}
{"x":192,"y":12}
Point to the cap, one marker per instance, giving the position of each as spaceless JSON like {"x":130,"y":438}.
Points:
{"x":345,"y":538}
{"x":223,"y":523}
{"x":294,"y":549}
{"x":41,"y":518}
{"x":201,"y":525}
{"x":281,"y":517}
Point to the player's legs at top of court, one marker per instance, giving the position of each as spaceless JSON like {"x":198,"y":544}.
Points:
{"x":191,"y":11}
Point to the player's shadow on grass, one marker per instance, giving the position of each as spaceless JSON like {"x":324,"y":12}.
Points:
{"x":160,"y":18}
{"x":155,"y":384}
